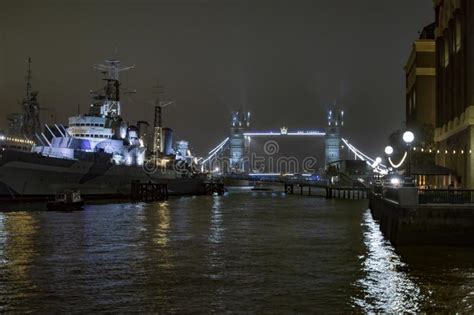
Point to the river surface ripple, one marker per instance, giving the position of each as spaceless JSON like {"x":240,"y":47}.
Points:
{"x":239,"y":253}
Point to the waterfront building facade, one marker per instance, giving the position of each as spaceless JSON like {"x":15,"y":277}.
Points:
{"x":420,"y":74}
{"x":454,"y":133}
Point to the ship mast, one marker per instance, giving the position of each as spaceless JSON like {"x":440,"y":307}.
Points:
{"x":111,"y":69}
{"x":31,"y":107}
{"x":28,"y":79}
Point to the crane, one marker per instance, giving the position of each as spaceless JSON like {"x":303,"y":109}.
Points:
{"x":159,"y":105}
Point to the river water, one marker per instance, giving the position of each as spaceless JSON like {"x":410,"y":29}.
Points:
{"x":238,"y":253}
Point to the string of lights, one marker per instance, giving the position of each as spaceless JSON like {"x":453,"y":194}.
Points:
{"x":401,"y":162}
{"x":442,"y":151}
{"x":16,"y":140}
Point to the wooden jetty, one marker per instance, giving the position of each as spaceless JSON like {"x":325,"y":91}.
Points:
{"x":347,"y":192}
{"x":332,"y":192}
{"x":148,"y":192}
{"x":215,"y":187}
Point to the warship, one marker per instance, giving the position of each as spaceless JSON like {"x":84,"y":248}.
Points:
{"x":98,"y":153}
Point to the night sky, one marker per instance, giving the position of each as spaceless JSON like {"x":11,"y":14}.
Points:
{"x":285,"y":61}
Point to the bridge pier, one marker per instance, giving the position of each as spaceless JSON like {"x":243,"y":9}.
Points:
{"x":333,"y":136}
{"x":148,"y":192}
{"x":240,"y":121}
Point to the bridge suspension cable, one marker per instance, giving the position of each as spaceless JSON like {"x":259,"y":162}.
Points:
{"x":376,"y":165}
{"x":216,"y":150}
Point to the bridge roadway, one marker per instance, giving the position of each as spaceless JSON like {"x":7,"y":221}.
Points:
{"x":277,"y":178}
{"x":344,"y":190}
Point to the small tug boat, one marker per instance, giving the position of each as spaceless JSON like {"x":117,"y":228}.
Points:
{"x":68,"y":200}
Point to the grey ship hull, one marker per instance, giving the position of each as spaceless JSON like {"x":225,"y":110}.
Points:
{"x":32,"y":176}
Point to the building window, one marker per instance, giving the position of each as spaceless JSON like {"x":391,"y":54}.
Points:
{"x":446,"y":52}
{"x":414,"y":100}
{"x":458,"y":40}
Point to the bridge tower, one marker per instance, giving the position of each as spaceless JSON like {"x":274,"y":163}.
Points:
{"x":240,"y":121}
{"x":333,"y":136}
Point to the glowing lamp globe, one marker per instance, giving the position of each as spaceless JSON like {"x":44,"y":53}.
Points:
{"x":388,"y":150}
{"x":395,"y":181}
{"x":408,"y":137}
{"x":378,"y":160}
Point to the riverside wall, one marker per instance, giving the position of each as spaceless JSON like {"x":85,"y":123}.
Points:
{"x":437,"y":224}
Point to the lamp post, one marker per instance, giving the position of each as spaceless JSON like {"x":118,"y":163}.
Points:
{"x":388,"y":150}
{"x":408,"y":138}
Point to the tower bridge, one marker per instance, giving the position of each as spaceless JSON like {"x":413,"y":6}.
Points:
{"x":237,"y":144}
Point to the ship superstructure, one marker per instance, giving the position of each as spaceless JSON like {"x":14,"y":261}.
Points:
{"x":98,"y":153}
{"x":101,"y":130}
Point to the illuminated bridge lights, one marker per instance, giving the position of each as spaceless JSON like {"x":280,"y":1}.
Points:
{"x":379,"y":168}
{"x":219,"y":146}
{"x":216,"y":150}
{"x":264,"y":174}
{"x":313,"y":133}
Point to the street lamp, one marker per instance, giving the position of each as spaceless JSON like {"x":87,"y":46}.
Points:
{"x":388,"y":150}
{"x":408,"y":138}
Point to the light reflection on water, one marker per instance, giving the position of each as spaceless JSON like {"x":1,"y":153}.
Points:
{"x":3,"y":240}
{"x":386,"y":286}
{"x":163,"y":226}
{"x":17,"y":251}
{"x":242,"y":252}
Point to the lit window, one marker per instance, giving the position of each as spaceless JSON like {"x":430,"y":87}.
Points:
{"x":458,"y":36}
{"x":414,"y":100}
{"x":446,"y":52}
